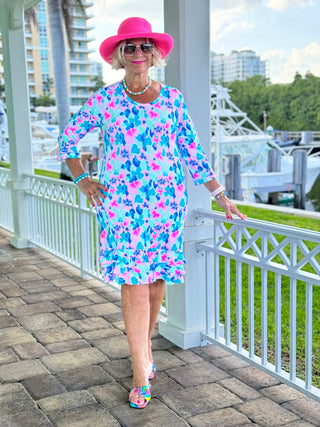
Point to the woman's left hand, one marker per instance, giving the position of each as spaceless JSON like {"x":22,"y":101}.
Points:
{"x":229,"y":207}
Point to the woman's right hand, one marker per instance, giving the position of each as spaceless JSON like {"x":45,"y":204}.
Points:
{"x":93,"y":190}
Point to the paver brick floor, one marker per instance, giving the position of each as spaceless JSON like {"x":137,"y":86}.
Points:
{"x":65,"y":362}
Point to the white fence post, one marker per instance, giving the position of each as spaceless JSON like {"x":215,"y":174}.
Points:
{"x":83,"y":234}
{"x":188,"y":70}
{"x":17,"y":102}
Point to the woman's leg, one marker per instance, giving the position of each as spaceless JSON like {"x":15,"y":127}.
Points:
{"x":156,"y":292}
{"x":136,"y":314}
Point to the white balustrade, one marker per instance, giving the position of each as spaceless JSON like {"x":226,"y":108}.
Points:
{"x":6,"y":217}
{"x":63,"y":223}
{"x":282,"y":264}
{"x":251,"y":256}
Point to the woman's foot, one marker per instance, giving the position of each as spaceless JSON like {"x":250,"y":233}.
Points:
{"x":140,"y":393}
{"x":140,"y":396}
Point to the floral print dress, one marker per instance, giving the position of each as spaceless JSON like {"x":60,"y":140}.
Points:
{"x":142,"y":218}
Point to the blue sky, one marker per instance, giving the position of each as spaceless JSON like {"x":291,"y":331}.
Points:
{"x":286,"y":33}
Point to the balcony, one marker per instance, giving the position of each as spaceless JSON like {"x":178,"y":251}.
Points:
{"x":83,"y":50}
{"x":82,"y":84}
{"x":83,"y":38}
{"x":82,"y":26}
{"x":80,"y":73}
{"x":81,"y":61}
{"x":81,"y":96}
{"x":80,"y":15}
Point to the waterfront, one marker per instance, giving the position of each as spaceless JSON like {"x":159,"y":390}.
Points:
{"x":313,"y":197}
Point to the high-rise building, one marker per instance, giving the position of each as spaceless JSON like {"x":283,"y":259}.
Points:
{"x":39,"y":57}
{"x":236,"y":66}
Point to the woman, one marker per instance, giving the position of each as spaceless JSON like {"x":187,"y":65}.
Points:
{"x":141,"y":195}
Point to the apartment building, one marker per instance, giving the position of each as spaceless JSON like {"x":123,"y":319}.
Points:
{"x":39,"y":58}
{"x":236,"y":66}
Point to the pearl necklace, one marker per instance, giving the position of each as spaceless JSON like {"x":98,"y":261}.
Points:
{"x":136,"y":93}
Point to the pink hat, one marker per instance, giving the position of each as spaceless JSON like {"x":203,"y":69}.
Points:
{"x":133,"y":28}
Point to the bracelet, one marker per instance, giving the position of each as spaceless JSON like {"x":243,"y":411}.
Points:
{"x":217,"y":191}
{"x":218,"y":196}
{"x":80,"y":178}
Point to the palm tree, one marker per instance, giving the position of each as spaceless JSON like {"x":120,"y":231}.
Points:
{"x":60,"y":20}
{"x":98,"y":83}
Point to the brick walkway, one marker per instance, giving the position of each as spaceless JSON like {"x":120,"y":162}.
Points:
{"x":64,"y":361}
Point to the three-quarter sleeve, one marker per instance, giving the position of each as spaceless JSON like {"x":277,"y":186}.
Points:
{"x":78,"y":126}
{"x":190,"y":148}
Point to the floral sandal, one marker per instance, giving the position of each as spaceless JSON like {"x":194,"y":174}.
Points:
{"x":144,"y":392}
{"x":153,"y":372}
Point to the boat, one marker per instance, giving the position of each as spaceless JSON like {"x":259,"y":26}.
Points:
{"x":234,"y":133}
{"x":45,"y":131}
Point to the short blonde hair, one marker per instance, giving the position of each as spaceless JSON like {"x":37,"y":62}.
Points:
{"x":118,"y":59}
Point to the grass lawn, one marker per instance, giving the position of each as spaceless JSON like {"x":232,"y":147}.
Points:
{"x":286,"y":219}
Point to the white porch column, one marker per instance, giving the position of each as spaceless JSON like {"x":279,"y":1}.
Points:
{"x":188,"y":69}
{"x":17,"y":103}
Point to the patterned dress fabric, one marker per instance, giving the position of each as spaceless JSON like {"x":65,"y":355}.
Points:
{"x":144,"y":146}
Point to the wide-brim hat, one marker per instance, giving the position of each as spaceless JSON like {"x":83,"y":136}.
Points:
{"x":134,"y":28}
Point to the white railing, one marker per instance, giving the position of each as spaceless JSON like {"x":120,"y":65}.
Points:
{"x":310,"y":136}
{"x":261,"y":277}
{"x":63,"y":223}
{"x":6,"y":217}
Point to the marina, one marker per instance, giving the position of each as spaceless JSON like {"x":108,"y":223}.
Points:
{"x":233,"y":133}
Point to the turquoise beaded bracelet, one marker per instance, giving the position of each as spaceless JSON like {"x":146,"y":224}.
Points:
{"x":80,"y":178}
{"x":219,"y":195}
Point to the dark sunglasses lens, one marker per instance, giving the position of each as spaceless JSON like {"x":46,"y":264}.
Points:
{"x":146,"y":47}
{"x":129,"y":49}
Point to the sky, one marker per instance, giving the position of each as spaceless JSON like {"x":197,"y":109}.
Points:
{"x":286,"y":33}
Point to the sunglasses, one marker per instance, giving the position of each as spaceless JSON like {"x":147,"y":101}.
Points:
{"x":130,"y":48}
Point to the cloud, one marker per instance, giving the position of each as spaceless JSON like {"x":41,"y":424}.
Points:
{"x":247,"y":5}
{"x":229,"y":17}
{"x":284,"y":67}
{"x":283,"y":4}
{"x":115,"y":11}
{"x":231,"y":28}
{"x":233,"y":4}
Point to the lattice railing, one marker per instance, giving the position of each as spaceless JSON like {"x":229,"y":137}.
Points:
{"x":263,"y":288}
{"x":261,"y":276}
{"x":63,"y":223}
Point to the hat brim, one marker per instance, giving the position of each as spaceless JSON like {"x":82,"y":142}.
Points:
{"x":163,"y":41}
